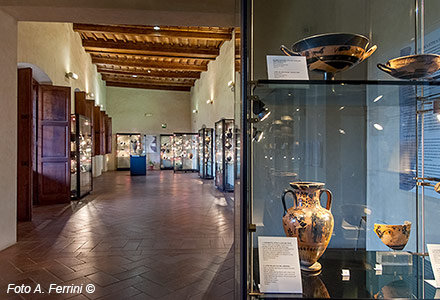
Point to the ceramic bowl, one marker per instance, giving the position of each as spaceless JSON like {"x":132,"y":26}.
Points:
{"x":332,"y":52}
{"x":412,"y":66}
{"x":394,"y":236}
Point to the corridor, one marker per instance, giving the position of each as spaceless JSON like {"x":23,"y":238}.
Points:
{"x":160,"y":236}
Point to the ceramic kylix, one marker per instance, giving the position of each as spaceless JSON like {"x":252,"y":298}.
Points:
{"x":394,"y":236}
{"x":332,"y":52}
{"x":309,"y":222}
{"x":412,"y":66}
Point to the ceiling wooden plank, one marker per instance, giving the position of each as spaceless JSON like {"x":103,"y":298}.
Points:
{"x":149,"y":86}
{"x":104,"y":53}
{"x":152,"y":73}
{"x":139,"y":80}
{"x":216,"y":35}
{"x":167,"y":50}
{"x":148,"y":64}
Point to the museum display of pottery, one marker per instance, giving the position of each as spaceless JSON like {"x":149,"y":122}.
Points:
{"x":412,"y":66}
{"x":332,"y":52}
{"x":308,"y":221}
{"x":394,"y":236}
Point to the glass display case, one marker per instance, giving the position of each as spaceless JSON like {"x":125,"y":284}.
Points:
{"x":206,"y":162}
{"x":166,"y":152}
{"x":224,"y":155}
{"x":81,"y":156}
{"x":151,"y":151}
{"x":73,"y":158}
{"x":368,"y":150}
{"x":347,"y":160}
{"x":185,"y":149}
{"x":127,"y":144}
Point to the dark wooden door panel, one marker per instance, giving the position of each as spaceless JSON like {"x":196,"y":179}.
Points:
{"x":80,"y":103}
{"x":25,"y":145}
{"x":54,"y":138}
{"x":97,"y":129}
{"x":54,"y":144}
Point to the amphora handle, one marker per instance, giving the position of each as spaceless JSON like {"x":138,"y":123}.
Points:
{"x":329,"y":198}
{"x":283,"y":199}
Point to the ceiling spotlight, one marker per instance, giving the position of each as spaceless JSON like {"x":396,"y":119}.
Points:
{"x":378,"y":98}
{"x":378,"y":127}
{"x":156,"y":27}
{"x":134,"y":76}
{"x":149,"y":71}
{"x":260,"y":110}
{"x":72,"y":75}
{"x":258,"y":135}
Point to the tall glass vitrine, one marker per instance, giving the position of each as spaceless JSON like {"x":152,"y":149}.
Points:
{"x":224,"y":155}
{"x":185,"y":149}
{"x":206,"y":161}
{"x":361,"y":133}
{"x":127,"y":144}
{"x":81,"y":156}
{"x":166,"y":152}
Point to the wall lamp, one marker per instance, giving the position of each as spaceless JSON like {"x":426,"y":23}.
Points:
{"x":90,"y":95}
{"x":72,"y":75}
{"x":209,"y":101}
{"x":195,"y":111}
{"x":231,"y":85}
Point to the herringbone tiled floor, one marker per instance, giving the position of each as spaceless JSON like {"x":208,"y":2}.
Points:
{"x":163,"y":236}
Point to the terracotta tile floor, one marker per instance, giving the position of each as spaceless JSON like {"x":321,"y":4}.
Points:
{"x":163,"y":236}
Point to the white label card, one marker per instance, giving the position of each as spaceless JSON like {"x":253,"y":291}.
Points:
{"x":434,"y":255}
{"x":287,"y":67}
{"x":279,"y":265}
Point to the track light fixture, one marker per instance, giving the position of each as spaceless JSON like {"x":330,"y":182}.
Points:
{"x":258,"y":135}
{"x":260,"y":110}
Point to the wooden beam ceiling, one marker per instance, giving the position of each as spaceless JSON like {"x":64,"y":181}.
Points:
{"x":170,"y":58}
{"x":177,"y":32}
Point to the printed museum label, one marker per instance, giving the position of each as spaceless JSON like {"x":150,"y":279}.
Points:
{"x":287,"y":67}
{"x":279,"y":265}
{"x":434,"y":256}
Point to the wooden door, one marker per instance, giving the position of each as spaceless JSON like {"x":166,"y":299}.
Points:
{"x":80,"y":103}
{"x":53,"y":144}
{"x":103,"y":136}
{"x":97,"y":129}
{"x":108,"y":132}
{"x":25,"y":145}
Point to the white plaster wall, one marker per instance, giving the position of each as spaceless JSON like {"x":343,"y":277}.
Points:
{"x":213,"y":84}
{"x":8,"y":130}
{"x":128,"y":108}
{"x":57,"y":49}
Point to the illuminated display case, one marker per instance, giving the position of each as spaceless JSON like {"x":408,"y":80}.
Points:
{"x":81,"y":156}
{"x":166,"y":152}
{"x":185,"y":149}
{"x":127,"y":144}
{"x":224,"y":154}
{"x":347,"y":161}
{"x":206,"y":161}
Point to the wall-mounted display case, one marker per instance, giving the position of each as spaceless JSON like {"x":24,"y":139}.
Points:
{"x":81,"y":156}
{"x":346,"y":162}
{"x":185,"y":149}
{"x":166,"y":152}
{"x":224,"y":155}
{"x":206,"y":148}
{"x":127,"y":144}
